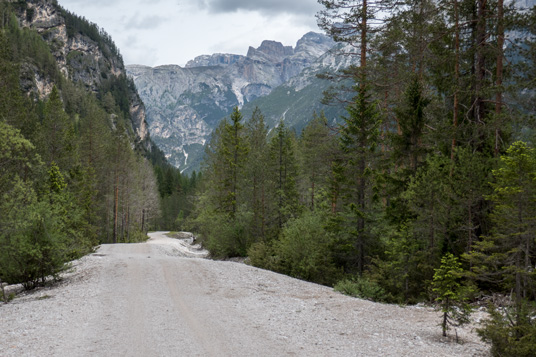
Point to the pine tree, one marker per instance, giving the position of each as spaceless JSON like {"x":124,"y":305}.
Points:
{"x":234,"y":153}
{"x":283,"y":170}
{"x":257,"y":187}
{"x":319,"y":150}
{"x":505,"y":256}
{"x":503,"y":259}
{"x":56,"y":135}
{"x":451,"y":294}
{"x":356,"y":175}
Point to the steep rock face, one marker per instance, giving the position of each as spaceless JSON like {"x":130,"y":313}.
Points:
{"x":296,"y":100}
{"x":184,"y":105}
{"x":79,"y":58}
{"x":270,"y":51}
{"x":217,"y":59}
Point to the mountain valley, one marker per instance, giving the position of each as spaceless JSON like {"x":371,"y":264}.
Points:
{"x":184,"y":105}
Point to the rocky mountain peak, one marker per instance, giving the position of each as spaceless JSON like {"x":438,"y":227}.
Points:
{"x":217,"y":59}
{"x":271,"y":51}
{"x":313,"y":45}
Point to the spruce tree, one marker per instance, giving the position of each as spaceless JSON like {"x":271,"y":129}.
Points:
{"x":257,"y":189}
{"x":505,"y":257}
{"x":451,"y":294}
{"x":284,"y":171}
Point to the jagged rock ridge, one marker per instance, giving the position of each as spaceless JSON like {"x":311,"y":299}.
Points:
{"x":184,"y":105}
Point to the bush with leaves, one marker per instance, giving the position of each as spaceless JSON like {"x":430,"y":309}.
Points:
{"x":304,"y":248}
{"x":33,"y":247}
{"x":362,"y":287}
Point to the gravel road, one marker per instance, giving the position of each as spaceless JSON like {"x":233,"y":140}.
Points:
{"x":161,"y":299}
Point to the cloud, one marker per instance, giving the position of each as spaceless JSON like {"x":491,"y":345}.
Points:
{"x":145,"y":23}
{"x":271,"y":7}
{"x":94,"y":3}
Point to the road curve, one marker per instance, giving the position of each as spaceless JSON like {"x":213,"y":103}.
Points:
{"x":153,"y":299}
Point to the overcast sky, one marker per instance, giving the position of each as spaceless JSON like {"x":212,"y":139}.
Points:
{"x":161,"y":32}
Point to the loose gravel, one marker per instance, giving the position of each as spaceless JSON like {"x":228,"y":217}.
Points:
{"x":161,"y":298}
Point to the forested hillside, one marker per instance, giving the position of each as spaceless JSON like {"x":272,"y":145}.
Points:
{"x":425,"y":193}
{"x":77,"y":164}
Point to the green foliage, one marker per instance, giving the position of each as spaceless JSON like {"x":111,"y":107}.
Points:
{"x":361,"y":287}
{"x":505,"y":256}
{"x":283,"y":170}
{"x":256,"y":181}
{"x":304,"y":249}
{"x":405,"y":266}
{"x":33,"y":240}
{"x":68,"y":174}
{"x":450,"y":293}
{"x":56,"y":136}
{"x":406,"y":177}
{"x":262,"y":255}
{"x":222,"y":236}
{"x":408,"y":147}
{"x":355,"y":176}
{"x":511,"y":331}
{"x":318,"y":150}
{"x":29,"y":47}
{"x":503,"y":260}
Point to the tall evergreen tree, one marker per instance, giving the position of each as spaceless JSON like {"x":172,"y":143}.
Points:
{"x":56,"y":134}
{"x":257,"y":188}
{"x":505,"y":257}
{"x":319,"y":151}
{"x":359,"y":140}
{"x":283,"y":167}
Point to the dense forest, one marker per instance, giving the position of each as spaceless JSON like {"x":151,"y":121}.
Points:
{"x":425,"y":193}
{"x":73,"y":174}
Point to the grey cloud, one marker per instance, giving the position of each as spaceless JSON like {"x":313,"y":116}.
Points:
{"x":94,"y":3}
{"x":146,"y":22}
{"x":299,"y":7}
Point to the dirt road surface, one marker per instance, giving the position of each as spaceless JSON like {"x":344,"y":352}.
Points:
{"x":161,"y":299}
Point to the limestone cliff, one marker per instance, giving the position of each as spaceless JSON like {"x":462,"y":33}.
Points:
{"x":89,"y":57}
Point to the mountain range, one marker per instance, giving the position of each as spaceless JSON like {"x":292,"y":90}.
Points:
{"x":185,"y":104}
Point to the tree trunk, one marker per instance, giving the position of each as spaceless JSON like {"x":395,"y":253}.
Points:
{"x":364,"y":32}
{"x":479,"y":105}
{"x":444,"y":324}
{"x":143,"y":220}
{"x":313,"y":192}
{"x":361,"y":220}
{"x":499,"y":75}
{"x":456,"y":79}
{"x":116,"y":207}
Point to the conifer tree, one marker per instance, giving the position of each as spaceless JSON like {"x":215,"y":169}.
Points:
{"x":284,"y":170}
{"x":319,"y":150}
{"x":257,"y":189}
{"x":505,"y":257}
{"x":234,"y":153}
{"x":56,"y":134}
{"x":451,"y":294}
{"x":359,"y":139}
